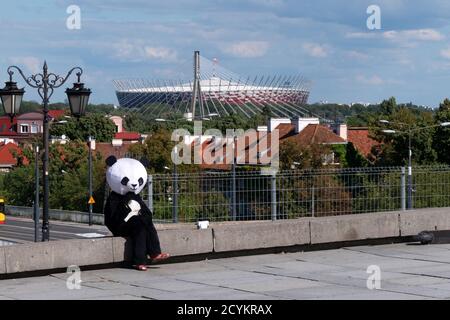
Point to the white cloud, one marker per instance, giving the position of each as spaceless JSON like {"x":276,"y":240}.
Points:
{"x":268,"y":3}
{"x":399,"y":36}
{"x":361,"y":35}
{"x":353,"y":54}
{"x":137,"y":51}
{"x":248,"y":49}
{"x":315,"y":50}
{"x":417,"y":34}
{"x":373,"y":80}
{"x":126,"y":51}
{"x":160,"y":53}
{"x":445,"y":53}
{"x":31,"y":63}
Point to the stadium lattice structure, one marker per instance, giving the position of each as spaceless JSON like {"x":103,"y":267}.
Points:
{"x":220,"y":93}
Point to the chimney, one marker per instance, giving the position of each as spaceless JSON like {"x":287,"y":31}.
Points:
{"x":302,"y":123}
{"x":273,"y":123}
{"x":341,"y":131}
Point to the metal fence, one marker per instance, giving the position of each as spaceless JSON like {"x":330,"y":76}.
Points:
{"x":245,"y":195}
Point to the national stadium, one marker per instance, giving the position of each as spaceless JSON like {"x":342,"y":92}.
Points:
{"x":214,"y":90}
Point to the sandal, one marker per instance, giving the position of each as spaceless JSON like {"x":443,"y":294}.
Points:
{"x":140,"y":267}
{"x":159,"y":257}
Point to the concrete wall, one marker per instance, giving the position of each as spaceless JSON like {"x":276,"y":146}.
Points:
{"x":2,"y":261}
{"x":185,"y":239}
{"x":256,"y":235}
{"x":354,"y":227}
{"x":414,"y":221}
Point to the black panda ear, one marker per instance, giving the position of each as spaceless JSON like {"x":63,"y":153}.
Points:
{"x":111,"y":160}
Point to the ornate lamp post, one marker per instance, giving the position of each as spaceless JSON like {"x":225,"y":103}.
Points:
{"x":45,"y":83}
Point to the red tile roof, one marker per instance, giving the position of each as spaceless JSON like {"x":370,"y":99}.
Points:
{"x":7,"y":152}
{"x":361,"y":140}
{"x":127,"y":135}
{"x":285,"y":130}
{"x":56,"y":114}
{"x":5,"y":125}
{"x":39,"y":115}
{"x":316,"y":134}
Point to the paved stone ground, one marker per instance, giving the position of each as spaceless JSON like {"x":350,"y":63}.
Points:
{"x":408,"y":271}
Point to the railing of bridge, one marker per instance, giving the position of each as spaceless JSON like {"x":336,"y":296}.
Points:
{"x":253,"y":195}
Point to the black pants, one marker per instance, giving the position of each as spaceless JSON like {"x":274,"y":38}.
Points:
{"x":144,"y":237}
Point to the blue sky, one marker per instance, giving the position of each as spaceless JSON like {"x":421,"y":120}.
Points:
{"x":326,"y":41}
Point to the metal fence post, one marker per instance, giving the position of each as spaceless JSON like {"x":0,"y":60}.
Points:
{"x":150,"y":192}
{"x":175,"y":196}
{"x":233,"y":192}
{"x":403,"y":189}
{"x":274,"y":196}
{"x":312,"y":202}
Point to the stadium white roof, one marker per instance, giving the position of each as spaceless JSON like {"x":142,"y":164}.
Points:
{"x":215,"y":84}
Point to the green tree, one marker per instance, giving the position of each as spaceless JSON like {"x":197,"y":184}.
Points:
{"x":156,"y":149}
{"x":19,"y":186}
{"x":389,"y":106}
{"x":394,"y":148}
{"x":94,"y":124}
{"x":302,"y":157}
{"x":442,"y":134}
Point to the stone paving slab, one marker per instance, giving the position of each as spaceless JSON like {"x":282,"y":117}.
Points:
{"x":407,"y":272}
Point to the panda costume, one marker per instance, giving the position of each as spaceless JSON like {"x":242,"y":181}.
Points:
{"x":126,"y":214}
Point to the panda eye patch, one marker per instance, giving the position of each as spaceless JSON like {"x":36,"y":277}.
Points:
{"x":125,"y":181}
{"x":141,"y":181}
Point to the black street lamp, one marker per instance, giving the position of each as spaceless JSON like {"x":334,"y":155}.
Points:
{"x":45,"y":83}
{"x":11,"y":97}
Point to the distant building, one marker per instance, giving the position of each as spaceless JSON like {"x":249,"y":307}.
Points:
{"x":302,"y":131}
{"x":32,"y":122}
{"x":25,"y":125}
{"x":106,"y":149}
{"x":128,"y":137}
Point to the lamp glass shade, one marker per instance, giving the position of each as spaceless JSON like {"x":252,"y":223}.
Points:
{"x":78,"y":97}
{"x":11,"y":97}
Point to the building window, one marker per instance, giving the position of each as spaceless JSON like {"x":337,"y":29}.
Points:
{"x":23,"y":128}
{"x":330,"y":159}
{"x":34,"y":128}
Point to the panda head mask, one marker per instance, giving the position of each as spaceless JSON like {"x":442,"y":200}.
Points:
{"x":125,"y":175}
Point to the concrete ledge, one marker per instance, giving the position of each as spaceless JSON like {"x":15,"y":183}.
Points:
{"x":185,"y":239}
{"x":354,"y":227}
{"x":262,"y":234}
{"x":2,"y":261}
{"x":58,"y":254}
{"x":414,"y":221}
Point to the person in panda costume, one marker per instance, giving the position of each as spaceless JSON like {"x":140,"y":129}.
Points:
{"x":126,"y":214}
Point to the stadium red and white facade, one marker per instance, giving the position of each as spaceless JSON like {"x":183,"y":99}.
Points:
{"x":221,"y":93}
